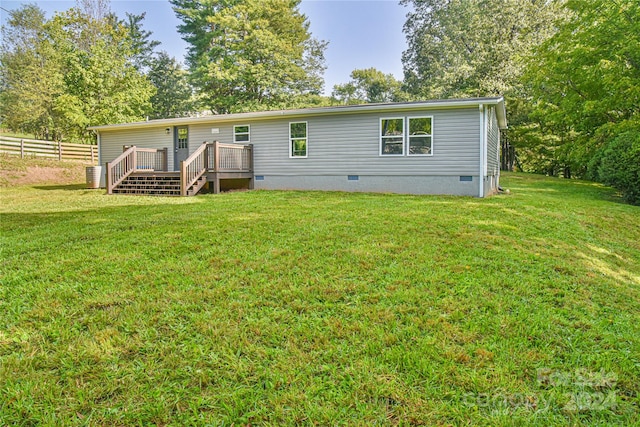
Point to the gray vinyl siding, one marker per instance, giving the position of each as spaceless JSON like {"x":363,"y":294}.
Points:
{"x":493,"y":143}
{"x":350,"y":145}
{"x":338,"y":145}
{"x":202,"y":133}
{"x":111,"y":142}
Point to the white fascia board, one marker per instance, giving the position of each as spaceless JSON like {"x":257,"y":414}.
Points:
{"x":321,"y":111}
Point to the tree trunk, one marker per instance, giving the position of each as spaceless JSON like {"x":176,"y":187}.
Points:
{"x":507,"y":153}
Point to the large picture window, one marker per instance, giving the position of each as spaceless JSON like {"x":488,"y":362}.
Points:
{"x":392,"y":137}
{"x":420,"y":136}
{"x":298,"y":139}
{"x":241,"y":134}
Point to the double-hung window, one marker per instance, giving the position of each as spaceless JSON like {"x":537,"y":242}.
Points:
{"x":392,"y":137}
{"x":298,"y":139}
{"x":420,"y":136}
{"x":242,"y":134}
{"x":411,"y":136}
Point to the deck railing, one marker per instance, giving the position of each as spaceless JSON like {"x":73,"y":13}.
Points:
{"x":193,"y":168}
{"x":151,"y":159}
{"x":230,"y":157}
{"x":134,"y":159}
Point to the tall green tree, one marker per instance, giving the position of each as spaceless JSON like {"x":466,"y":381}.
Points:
{"x":75,"y":70}
{"x":585,"y":85}
{"x":30,"y":80}
{"x":142,"y":45}
{"x":369,"y":86}
{"x":174,"y":95}
{"x":102,"y":83}
{"x":472,"y":48}
{"x":250,"y":54}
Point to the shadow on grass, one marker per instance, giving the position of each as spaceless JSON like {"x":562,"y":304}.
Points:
{"x":68,"y":187}
{"x":557,"y":187}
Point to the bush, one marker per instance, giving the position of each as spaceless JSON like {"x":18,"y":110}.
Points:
{"x":620,"y":165}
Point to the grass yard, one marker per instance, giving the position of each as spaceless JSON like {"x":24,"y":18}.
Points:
{"x":315,"y":308}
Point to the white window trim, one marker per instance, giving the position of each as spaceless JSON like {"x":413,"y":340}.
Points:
{"x":291,"y":156}
{"x":404,"y":124}
{"x":248,"y":133}
{"x":409,"y":137}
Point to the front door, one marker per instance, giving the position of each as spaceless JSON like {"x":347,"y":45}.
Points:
{"x":180,"y":145}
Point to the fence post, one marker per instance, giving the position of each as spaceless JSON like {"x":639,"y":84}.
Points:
{"x":59,"y":151}
{"x":93,"y":159}
{"x":22,"y":148}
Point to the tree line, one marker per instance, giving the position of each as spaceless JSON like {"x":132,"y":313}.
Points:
{"x":569,"y":70}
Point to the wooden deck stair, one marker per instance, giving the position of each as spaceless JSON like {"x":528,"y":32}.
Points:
{"x":153,"y":184}
{"x":143,"y":171}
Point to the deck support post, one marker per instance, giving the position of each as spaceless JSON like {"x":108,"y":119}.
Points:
{"x":183,"y":178}
{"x":165,"y":159}
{"x":216,"y":183}
{"x":109,"y":179}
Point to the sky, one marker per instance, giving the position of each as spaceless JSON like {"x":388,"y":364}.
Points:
{"x":361,"y":33}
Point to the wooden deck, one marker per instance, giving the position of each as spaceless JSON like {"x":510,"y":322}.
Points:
{"x":144,"y":170}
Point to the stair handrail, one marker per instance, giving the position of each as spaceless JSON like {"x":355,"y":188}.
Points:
{"x":120,"y":168}
{"x":193,"y":168}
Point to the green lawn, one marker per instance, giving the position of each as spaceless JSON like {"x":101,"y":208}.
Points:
{"x":287,"y":308}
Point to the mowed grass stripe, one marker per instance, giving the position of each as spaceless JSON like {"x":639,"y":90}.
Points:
{"x":315,"y":307}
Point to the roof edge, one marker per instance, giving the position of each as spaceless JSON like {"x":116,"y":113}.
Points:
{"x":360,"y":108}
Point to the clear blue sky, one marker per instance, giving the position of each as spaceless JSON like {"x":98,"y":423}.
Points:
{"x":361,"y":33}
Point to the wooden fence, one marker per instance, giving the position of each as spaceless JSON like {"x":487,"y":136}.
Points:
{"x":50,"y":149}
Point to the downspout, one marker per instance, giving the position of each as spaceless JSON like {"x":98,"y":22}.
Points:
{"x":495,"y":112}
{"x":483,"y":150}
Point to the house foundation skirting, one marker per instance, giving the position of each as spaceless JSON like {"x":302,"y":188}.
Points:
{"x":459,"y":185}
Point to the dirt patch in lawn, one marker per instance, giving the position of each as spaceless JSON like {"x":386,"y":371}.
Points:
{"x":15,"y":171}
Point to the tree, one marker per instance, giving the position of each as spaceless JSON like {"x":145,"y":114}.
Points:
{"x":472,"y":48}
{"x":618,"y":163}
{"x":174,"y":95}
{"x":102,"y":84}
{"x":585,"y":83}
{"x":73,"y":71}
{"x":30,"y":80}
{"x":249,"y":54}
{"x":142,"y":45}
{"x":369,"y":86}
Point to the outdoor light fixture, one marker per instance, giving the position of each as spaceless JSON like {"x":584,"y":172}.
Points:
{"x":167,"y":131}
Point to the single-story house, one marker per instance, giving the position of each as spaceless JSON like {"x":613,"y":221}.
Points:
{"x":427,"y":147}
